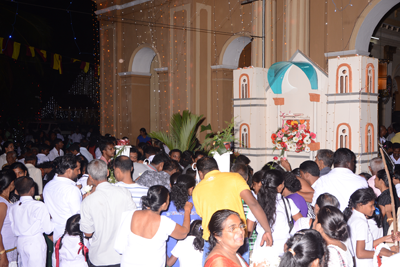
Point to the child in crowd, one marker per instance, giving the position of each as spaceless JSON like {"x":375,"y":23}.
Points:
{"x":323,"y":200}
{"x":190,"y":250}
{"x":72,"y":248}
{"x":361,"y":206}
{"x":334,"y":230}
{"x":29,"y":220}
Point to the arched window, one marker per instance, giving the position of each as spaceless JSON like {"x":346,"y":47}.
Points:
{"x":370,"y":79}
{"x":244,"y":88}
{"x":343,"y":136}
{"x":343,"y":79}
{"x":369,"y":138}
{"x":244,"y":135}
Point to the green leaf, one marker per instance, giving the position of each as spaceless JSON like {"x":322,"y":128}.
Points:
{"x":205,"y":128}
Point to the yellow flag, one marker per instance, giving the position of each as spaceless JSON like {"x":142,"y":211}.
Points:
{"x":1,"y":45}
{"x":17,"y":48}
{"x":86,"y":69}
{"x":57,"y":63}
{"x":44,"y":53}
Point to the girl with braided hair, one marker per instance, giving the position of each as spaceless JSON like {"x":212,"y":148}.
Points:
{"x":361,"y":206}
{"x":72,"y":248}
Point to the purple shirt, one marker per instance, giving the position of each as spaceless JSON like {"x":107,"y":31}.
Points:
{"x":300,"y":203}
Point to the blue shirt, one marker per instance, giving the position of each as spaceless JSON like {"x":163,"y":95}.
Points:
{"x":177,"y":216}
{"x":144,"y":140}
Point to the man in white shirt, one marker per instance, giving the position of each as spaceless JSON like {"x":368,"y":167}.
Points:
{"x":29,"y":220}
{"x":101,"y":213}
{"x":34,"y":173}
{"x":84,"y":150}
{"x":57,"y":150}
{"x":122,"y":171}
{"x":61,"y":196}
{"x":76,"y":137}
{"x":44,"y":150}
{"x":7,"y":147}
{"x":341,"y":181}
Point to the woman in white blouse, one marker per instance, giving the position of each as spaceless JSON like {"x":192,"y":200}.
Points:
{"x":143,"y":233}
{"x":334,"y":230}
{"x":278,"y":209}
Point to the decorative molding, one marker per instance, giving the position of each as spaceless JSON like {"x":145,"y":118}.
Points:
{"x":347,"y":53}
{"x":256,"y":98}
{"x":120,"y":7}
{"x":345,"y":94}
{"x":351,"y":101}
{"x":250,"y":105}
{"x":229,"y":67}
{"x":134,"y":73}
{"x":279,"y":101}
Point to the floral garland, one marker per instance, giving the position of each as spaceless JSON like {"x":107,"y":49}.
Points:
{"x":293,"y":136}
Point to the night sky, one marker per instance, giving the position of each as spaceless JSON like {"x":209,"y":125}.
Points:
{"x":27,"y":83}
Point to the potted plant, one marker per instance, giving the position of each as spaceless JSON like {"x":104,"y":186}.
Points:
{"x":218,"y":144}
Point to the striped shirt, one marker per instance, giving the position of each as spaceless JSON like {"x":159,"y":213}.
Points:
{"x":136,"y":190}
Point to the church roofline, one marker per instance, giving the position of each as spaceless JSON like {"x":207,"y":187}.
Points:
{"x":315,"y":65}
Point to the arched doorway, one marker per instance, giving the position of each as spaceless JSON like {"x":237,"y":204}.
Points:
{"x":139,"y":94}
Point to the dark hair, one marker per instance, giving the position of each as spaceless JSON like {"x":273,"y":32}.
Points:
{"x":186,"y":158}
{"x":160,"y":157}
{"x":291,"y":182}
{"x":296,"y":171}
{"x":361,"y":196}
{"x":196,"y":230}
{"x":43,"y":147}
{"x":216,"y":225}
{"x":6,"y":144}
{"x":388,"y":145}
{"x":396,"y":127}
{"x":342,"y":156}
{"x":157,"y":195}
{"x":84,"y":164}
{"x":366,"y":175}
{"x":303,"y":248}
{"x":56,"y":141}
{"x":74,"y":147}
{"x":198,"y":154}
{"x":66,"y":162}
{"x":175,"y":150}
{"x":396,"y":145}
{"x":84,"y":143}
{"x":103,"y":145}
{"x":327,"y":157}
{"x":179,"y":192}
{"x":171,"y":165}
{"x":333,"y":223}
{"x":241,"y":169}
{"x":327,"y":199}
{"x":396,"y":174}
{"x":310,"y":167}
{"x":123,"y":163}
{"x":206,"y":164}
{"x":267,"y":194}
{"x":150,"y":150}
{"x":23,"y":184}
{"x":242,"y":159}
{"x":257,"y":177}
{"x":72,"y":229}
{"x":30,"y":157}
{"x":6,"y":178}
{"x":272,"y":166}
{"x":19,"y":165}
{"x":381,"y":175}
{"x":143,"y":130}
{"x":133,"y":150}
{"x":173,"y":178}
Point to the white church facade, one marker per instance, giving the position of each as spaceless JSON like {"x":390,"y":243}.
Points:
{"x":340,"y":107}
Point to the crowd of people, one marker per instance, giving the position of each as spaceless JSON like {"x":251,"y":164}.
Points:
{"x":75,"y":201}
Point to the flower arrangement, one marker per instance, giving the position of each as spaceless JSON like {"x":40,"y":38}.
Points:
{"x":293,"y":136}
{"x":219,"y":142}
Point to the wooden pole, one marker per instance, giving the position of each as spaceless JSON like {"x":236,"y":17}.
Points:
{"x":391,"y":194}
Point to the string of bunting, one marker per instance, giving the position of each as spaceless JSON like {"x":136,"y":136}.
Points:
{"x":13,"y":49}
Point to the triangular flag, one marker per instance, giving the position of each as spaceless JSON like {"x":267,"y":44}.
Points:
{"x":42,"y":54}
{"x":57,"y":63}
{"x":8,"y":48}
{"x":32,"y":51}
{"x":17,"y":48}
{"x":75,"y":60}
